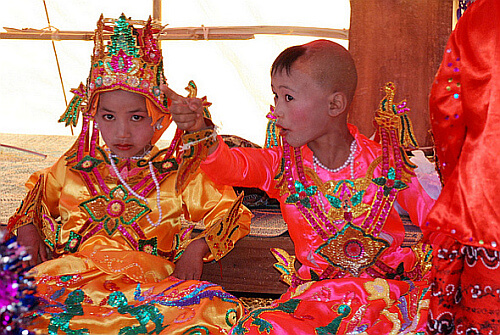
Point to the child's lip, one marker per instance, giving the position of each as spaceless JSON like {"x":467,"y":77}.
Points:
{"x":281,"y":129}
{"x":123,"y":146}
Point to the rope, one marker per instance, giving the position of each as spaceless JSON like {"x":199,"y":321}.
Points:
{"x":57,"y":60}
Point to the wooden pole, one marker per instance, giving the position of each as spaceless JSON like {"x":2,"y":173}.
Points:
{"x":184,"y":33}
{"x":157,"y":10}
{"x":400,"y":41}
{"x":157,"y":15}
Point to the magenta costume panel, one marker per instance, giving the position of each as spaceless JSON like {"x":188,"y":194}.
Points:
{"x":355,"y":260}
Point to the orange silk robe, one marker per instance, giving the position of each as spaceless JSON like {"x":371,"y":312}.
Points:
{"x":111,"y":274}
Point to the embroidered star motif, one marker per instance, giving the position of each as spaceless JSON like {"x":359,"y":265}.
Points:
{"x":115,"y":209}
{"x":87,"y":164}
{"x":73,"y":243}
{"x":302,"y":194}
{"x":150,"y":246}
{"x":166,"y":165}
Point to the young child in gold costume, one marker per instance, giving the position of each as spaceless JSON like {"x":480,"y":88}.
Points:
{"x":111,"y":213}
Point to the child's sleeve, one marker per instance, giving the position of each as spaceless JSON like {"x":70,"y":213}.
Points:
{"x":40,"y":207}
{"x":225,"y":219}
{"x":244,"y":167}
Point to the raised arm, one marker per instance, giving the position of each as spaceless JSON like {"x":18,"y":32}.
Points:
{"x":187,"y":113}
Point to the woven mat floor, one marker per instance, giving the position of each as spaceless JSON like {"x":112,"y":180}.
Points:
{"x":16,"y":166}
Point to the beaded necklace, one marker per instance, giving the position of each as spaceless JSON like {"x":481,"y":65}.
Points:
{"x":127,"y":186}
{"x":349,"y":161}
{"x":388,"y":186}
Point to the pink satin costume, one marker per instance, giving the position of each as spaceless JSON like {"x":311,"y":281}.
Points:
{"x":328,"y":294}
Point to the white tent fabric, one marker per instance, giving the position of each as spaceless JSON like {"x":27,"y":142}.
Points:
{"x":233,"y":74}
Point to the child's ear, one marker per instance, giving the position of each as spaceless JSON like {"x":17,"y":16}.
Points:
{"x":338,"y":103}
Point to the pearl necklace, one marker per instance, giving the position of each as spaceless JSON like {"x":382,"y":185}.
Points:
{"x":135,"y":194}
{"x":349,"y":161}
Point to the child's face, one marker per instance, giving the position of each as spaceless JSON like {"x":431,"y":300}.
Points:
{"x":301,"y":106}
{"x":124,"y":122}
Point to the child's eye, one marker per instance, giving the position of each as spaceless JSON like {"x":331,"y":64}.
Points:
{"x":288,"y":97}
{"x":137,"y":117}
{"x":108,"y":117}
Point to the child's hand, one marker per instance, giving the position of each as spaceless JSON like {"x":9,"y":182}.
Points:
{"x":190,"y":265}
{"x":28,"y":237}
{"x":187,"y":113}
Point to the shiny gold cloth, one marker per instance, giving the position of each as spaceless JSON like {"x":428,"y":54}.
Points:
{"x":111,"y":274}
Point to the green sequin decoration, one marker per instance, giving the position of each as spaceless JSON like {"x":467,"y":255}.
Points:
{"x":73,"y":242}
{"x":263,"y":325}
{"x":60,"y":321}
{"x":333,"y":327}
{"x":197,"y":330}
{"x":165,"y":166}
{"x":143,"y":313}
{"x":87,"y":164}
{"x":231,"y":317}
{"x":302,"y":194}
{"x":70,"y":117}
{"x":123,"y":39}
{"x":149,"y":246}
{"x":390,"y":182}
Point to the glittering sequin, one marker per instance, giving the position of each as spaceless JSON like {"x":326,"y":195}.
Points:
{"x":351,"y":249}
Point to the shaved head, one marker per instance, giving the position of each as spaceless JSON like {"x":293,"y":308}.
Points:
{"x":329,"y":63}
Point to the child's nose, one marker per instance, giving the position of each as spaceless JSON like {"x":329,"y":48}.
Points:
{"x":278,"y":110}
{"x":124,"y":130}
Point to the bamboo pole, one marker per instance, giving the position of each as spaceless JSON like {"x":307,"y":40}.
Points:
{"x":185,"y":33}
{"x":157,"y":10}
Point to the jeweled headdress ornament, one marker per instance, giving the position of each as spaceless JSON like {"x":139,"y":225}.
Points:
{"x":130,"y":61}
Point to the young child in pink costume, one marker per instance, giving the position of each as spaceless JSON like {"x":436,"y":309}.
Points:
{"x":465,"y":117}
{"x":336,"y":189}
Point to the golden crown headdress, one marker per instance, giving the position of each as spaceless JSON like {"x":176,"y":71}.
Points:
{"x":131,"y":61}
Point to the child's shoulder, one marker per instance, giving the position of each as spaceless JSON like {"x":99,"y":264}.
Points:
{"x":368,"y":146}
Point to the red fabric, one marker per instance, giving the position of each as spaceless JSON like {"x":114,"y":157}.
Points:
{"x":465,"y":290}
{"x":465,"y":221}
{"x":341,"y":307}
{"x":465,"y":115}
